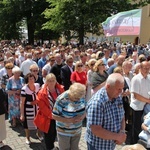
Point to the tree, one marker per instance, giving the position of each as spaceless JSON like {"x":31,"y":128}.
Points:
{"x":74,"y":18}
{"x":10,"y":20}
{"x":12,"y":12}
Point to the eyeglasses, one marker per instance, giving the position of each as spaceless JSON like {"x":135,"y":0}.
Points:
{"x":80,"y":65}
{"x":92,"y":64}
{"x":70,"y":61}
{"x":8,"y":68}
{"x":52,"y":60}
{"x":34,"y":70}
{"x":101,"y":65}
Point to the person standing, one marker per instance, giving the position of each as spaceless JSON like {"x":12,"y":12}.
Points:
{"x":79,"y":74}
{"x":66,"y":72}
{"x":69,"y":112}
{"x":25,"y":65}
{"x":99,"y":76}
{"x":13,"y":89}
{"x":56,"y":68}
{"x":91,"y":64}
{"x":2,"y":118}
{"x":140,"y":86}
{"x":35,"y":71}
{"x":105,"y":116}
{"x":28,"y":105}
{"x":46,"y":100}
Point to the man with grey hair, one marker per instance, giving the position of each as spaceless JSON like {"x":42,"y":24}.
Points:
{"x":25,"y":66}
{"x":105,"y":116}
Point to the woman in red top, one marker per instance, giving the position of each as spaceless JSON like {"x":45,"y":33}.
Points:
{"x":79,"y":75}
{"x":46,"y":100}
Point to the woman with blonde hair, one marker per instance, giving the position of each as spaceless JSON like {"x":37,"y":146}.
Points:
{"x":69,"y":112}
{"x":114,"y":56}
{"x":91,"y":64}
{"x":99,"y":76}
{"x":46,"y":100}
{"x":34,"y":69}
{"x":79,"y":74}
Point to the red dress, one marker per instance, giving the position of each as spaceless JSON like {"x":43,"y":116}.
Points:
{"x":79,"y":77}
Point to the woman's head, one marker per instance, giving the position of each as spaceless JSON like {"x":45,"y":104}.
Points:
{"x":99,"y":65}
{"x":30,"y":77}
{"x":34,"y":69}
{"x":9,"y":66}
{"x":91,"y":63}
{"x":118,"y":70}
{"x":78,"y":66}
{"x":50,"y":80}
{"x":77,"y":91}
{"x":16,"y":71}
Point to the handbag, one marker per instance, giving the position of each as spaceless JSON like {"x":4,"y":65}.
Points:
{"x":42,"y":122}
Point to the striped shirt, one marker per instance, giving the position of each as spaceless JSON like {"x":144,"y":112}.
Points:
{"x":66,"y":108}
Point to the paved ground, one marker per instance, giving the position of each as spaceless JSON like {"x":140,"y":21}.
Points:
{"x":16,"y":140}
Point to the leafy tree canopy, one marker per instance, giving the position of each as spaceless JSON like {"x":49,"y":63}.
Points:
{"x":74,"y":18}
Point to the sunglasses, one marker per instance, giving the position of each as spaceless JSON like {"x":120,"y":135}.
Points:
{"x":80,"y":65}
{"x":70,"y":61}
{"x":34,"y":70}
{"x":8,"y":68}
{"x":52,"y":60}
{"x":101,"y":65}
{"x":92,"y":64}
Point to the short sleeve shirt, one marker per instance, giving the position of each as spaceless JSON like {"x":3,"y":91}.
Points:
{"x":141,"y":86}
{"x":106,"y":113}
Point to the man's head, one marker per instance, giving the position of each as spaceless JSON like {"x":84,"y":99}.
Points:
{"x":145,"y":67}
{"x":120,"y":60}
{"x":106,"y":52}
{"x":127,"y":66}
{"x":69,"y":60}
{"x":114,"y":85}
{"x":58,"y":58}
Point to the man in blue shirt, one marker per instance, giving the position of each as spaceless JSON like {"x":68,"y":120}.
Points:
{"x":105,"y":116}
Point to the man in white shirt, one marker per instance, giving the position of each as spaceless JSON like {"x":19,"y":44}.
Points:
{"x":140,"y":86}
{"x":25,"y":66}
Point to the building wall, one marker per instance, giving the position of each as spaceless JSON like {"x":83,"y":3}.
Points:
{"x":144,"y":36}
{"x":145,"y":25}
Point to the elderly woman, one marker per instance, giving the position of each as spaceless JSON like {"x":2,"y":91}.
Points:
{"x":99,"y":76}
{"x":28,"y":105}
{"x":79,"y":74}
{"x":46,"y":100}
{"x":34,"y":69}
{"x":69,"y":112}
{"x":13,"y":88}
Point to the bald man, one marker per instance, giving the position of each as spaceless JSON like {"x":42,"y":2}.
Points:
{"x":105,"y":116}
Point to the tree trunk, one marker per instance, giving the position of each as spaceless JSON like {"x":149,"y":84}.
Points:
{"x":31,"y":29}
{"x":81,"y":35}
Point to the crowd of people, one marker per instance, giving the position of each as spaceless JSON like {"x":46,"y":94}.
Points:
{"x":54,"y":88}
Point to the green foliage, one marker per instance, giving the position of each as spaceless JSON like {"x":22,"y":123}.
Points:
{"x":81,"y":16}
{"x":9,"y":19}
{"x":72,"y":18}
{"x":12,"y":12}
